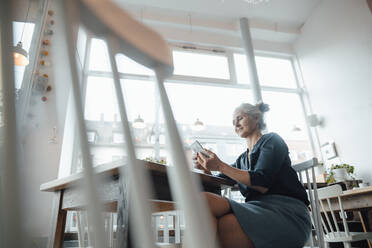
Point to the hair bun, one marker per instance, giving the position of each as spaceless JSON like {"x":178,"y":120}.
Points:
{"x":263,"y":107}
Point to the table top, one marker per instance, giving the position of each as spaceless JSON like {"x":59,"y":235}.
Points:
{"x":112,"y":169}
{"x":357,"y":191}
{"x":354,"y":199}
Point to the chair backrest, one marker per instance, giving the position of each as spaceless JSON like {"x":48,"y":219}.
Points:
{"x":312,"y":190}
{"x":326,"y":194}
{"x":126,"y":35}
{"x":137,"y":41}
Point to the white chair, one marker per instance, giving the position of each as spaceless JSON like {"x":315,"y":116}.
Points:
{"x":329,"y":226}
{"x":305,"y":168}
{"x":127,"y":36}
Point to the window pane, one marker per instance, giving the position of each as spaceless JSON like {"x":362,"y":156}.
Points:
{"x":101,"y":113}
{"x":200,"y":65}
{"x":99,"y":59}
{"x":26,"y":38}
{"x":139,"y":99}
{"x":241,"y":68}
{"x":212,"y":105}
{"x":274,"y":72}
{"x":27,"y":29}
{"x":286,"y":118}
{"x":100,"y":103}
{"x":127,"y":65}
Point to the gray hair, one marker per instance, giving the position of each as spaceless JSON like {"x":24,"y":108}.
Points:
{"x":253,"y":111}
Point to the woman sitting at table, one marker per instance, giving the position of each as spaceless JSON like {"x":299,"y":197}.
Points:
{"x":275,"y":211}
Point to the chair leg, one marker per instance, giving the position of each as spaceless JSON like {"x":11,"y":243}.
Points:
{"x":364,"y":227}
{"x":347,"y":244}
{"x":80,"y":229}
{"x":111,"y":230}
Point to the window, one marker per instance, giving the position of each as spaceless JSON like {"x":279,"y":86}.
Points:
{"x":275,"y":72}
{"x":99,"y":59}
{"x":200,"y":65}
{"x":22,"y":32}
{"x":139,"y":98}
{"x":100,"y":99}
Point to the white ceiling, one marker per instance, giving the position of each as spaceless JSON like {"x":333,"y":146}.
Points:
{"x":288,"y":13}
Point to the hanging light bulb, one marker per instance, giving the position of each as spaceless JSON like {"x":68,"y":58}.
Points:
{"x":139,"y":123}
{"x":20,"y":55}
{"x":198,"y":125}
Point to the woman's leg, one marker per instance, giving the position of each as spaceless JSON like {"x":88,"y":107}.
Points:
{"x":218,"y":205}
{"x":230,"y":233}
{"x":228,"y":228}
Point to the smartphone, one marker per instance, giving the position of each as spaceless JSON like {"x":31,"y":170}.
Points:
{"x":197,"y":147}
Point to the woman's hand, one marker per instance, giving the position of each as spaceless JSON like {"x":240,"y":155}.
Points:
{"x":198,"y":166}
{"x":212,"y":163}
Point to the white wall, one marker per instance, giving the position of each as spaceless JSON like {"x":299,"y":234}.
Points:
{"x":335,"y":55}
{"x":41,"y":157}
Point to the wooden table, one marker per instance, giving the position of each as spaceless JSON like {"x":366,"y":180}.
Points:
{"x":69,"y":196}
{"x":359,"y":199}
{"x":354,"y":199}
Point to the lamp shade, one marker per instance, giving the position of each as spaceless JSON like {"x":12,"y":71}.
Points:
{"x":198,"y":125}
{"x":20,"y":55}
{"x":139,"y":123}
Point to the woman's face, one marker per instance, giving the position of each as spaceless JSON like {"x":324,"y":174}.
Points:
{"x":244,"y":124}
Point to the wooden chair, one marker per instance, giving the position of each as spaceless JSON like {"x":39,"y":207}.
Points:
{"x":305,"y":168}
{"x":331,"y":228}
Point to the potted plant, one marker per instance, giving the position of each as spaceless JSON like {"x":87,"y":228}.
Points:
{"x":339,"y":173}
{"x":158,"y":161}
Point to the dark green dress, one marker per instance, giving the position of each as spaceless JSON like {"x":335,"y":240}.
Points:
{"x":280,"y":217}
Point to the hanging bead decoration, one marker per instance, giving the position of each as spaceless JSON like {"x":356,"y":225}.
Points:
{"x":48,"y":32}
{"x":42,"y":87}
{"x":42,"y":84}
{"x":46,"y":43}
{"x":44,"y":53}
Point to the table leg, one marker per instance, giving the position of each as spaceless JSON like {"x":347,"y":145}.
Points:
{"x":58,"y":222}
{"x":122,"y":236}
{"x":365,"y":227}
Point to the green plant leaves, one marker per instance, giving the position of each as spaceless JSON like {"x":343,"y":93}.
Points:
{"x":330,"y":175}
